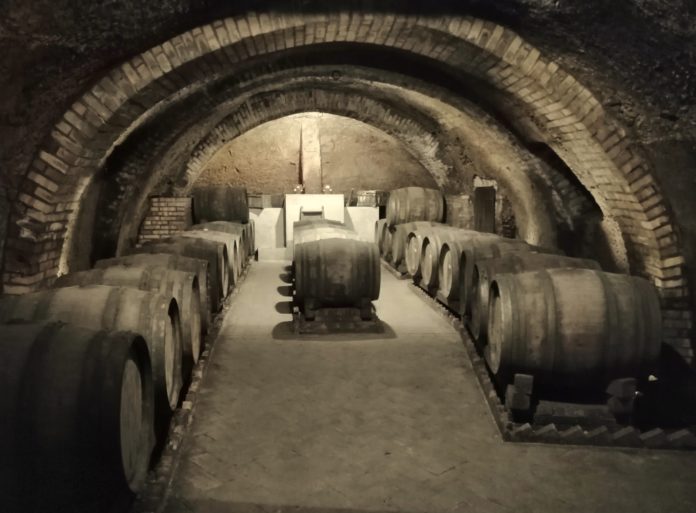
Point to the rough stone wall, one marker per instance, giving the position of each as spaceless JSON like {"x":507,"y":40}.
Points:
{"x":167,"y":217}
{"x":354,"y":156}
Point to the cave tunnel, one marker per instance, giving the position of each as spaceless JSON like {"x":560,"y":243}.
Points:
{"x":567,"y":129}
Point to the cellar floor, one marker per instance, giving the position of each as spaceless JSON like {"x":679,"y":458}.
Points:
{"x":398,"y":423}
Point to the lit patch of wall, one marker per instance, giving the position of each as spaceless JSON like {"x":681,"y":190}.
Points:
{"x":354,"y":156}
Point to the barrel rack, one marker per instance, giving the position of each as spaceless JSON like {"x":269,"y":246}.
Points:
{"x":605,"y":432}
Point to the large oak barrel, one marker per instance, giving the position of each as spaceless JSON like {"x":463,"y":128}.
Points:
{"x":516,"y":262}
{"x":399,"y":240}
{"x":573,"y":327}
{"x":178,"y":263}
{"x":232,"y":228}
{"x":153,"y":315}
{"x":336,"y":272}
{"x":215,"y":253}
{"x":220,"y":203}
{"x":181,"y":285}
{"x":231,"y":242}
{"x":477,"y":249}
{"x":77,"y":406}
{"x":415,"y":204}
{"x":414,"y":246}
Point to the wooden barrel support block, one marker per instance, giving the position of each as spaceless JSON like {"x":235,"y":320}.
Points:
{"x":153,"y":315}
{"x":573,"y":327}
{"x":80,"y":432}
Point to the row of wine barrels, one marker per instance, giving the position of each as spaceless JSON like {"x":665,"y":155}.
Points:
{"x":201,"y":268}
{"x":572,"y":327}
{"x":220,"y":203}
{"x":414,"y":246}
{"x":415,"y":204}
{"x":399,"y":240}
{"x":231,"y":242}
{"x":516,"y":262}
{"x":245,"y":231}
{"x":213,"y":252}
{"x":153,"y":315}
{"x":183,"y":286}
{"x":336,"y":272}
{"x":77,"y":421}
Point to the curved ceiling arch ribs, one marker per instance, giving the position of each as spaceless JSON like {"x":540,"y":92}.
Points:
{"x":572,"y":120}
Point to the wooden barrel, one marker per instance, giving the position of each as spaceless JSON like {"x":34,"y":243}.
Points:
{"x":177,"y":263}
{"x":336,"y":272}
{"x":181,"y":285}
{"x":252,"y":238}
{"x":573,"y":327}
{"x":77,"y":425}
{"x":414,"y":246}
{"x":220,"y":203}
{"x":399,"y":240}
{"x":231,"y":242}
{"x":432,"y":248}
{"x":379,"y":233}
{"x":231,"y":228}
{"x":153,"y":315}
{"x":516,"y":262}
{"x":415,"y":204}
{"x":481,"y":249}
{"x":449,"y":274}
{"x":323,"y":232}
{"x":387,"y":236}
{"x":212,"y":252}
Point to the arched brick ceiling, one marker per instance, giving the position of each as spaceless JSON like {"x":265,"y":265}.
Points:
{"x":566,"y":114}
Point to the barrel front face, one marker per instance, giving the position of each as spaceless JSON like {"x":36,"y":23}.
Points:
{"x":448,"y":271}
{"x":429,"y":260}
{"x":337,"y":272}
{"x":84,"y":434}
{"x":413,"y":253}
{"x":573,"y":327}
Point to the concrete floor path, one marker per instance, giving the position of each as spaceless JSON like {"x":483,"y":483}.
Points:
{"x":397,"y":422}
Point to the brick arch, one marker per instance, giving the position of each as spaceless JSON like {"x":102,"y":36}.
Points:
{"x":572,"y":120}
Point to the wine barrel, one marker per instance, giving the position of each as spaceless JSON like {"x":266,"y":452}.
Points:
{"x":399,"y":240}
{"x":220,"y":203}
{"x":153,"y":315}
{"x":229,"y":228}
{"x":252,"y":238}
{"x":177,"y":263}
{"x":181,"y":285}
{"x":323,"y":232}
{"x":379,"y":233}
{"x":573,"y":328}
{"x":449,"y":274}
{"x":386,"y":245}
{"x":77,"y":421}
{"x":212,"y":252}
{"x":336,"y":272}
{"x":432,"y":248}
{"x":415,"y":204}
{"x":486,"y":270}
{"x":481,"y":249}
{"x":414,"y":246}
{"x":231,"y":242}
